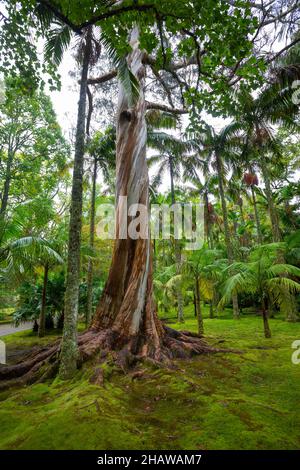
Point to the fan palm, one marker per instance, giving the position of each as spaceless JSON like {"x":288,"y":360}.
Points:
{"x":263,"y":277}
{"x":19,"y":255}
{"x":204,"y":267}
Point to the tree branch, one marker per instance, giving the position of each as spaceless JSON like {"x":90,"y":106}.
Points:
{"x":286,"y":48}
{"x":116,"y":12}
{"x":103,"y":78}
{"x":56,"y":12}
{"x":167,"y":109}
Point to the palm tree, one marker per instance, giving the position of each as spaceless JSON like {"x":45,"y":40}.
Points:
{"x":168,"y":160}
{"x":204,"y":269}
{"x":203,"y":187}
{"x":20,"y":255}
{"x":255,"y":118}
{"x":251,"y":181}
{"x":263,"y":277}
{"x":220,"y":149}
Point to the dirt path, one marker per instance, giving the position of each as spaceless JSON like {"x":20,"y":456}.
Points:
{"x":8,"y":329}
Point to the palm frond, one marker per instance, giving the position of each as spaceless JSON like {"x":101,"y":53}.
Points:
{"x":57,"y":41}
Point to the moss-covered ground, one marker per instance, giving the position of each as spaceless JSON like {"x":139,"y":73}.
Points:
{"x":222,"y":401}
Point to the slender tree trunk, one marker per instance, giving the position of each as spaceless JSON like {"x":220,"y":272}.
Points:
{"x":207,"y":221}
{"x":180,"y":314}
{"x":272,"y":209}
{"x":6,"y":187}
{"x":257,"y":219}
{"x":89,"y":314}
{"x":199,"y":309}
{"x":235,"y":304}
{"x":194,"y":303}
{"x":69,"y":347}
{"x":267,"y":330}
{"x":154,"y":256}
{"x":42,"y":320}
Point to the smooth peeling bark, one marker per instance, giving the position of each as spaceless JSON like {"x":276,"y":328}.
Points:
{"x":127,"y":304}
{"x":69,"y":347}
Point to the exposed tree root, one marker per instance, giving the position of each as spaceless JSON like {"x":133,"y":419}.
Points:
{"x":43,"y":363}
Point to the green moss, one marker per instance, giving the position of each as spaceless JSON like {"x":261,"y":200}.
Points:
{"x":223,"y":401}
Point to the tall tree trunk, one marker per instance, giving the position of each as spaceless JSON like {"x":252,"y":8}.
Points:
{"x":89,"y":313}
{"x":207,"y":221}
{"x":127,"y":305}
{"x":180,"y":314}
{"x":7,"y":181}
{"x":42,"y":320}
{"x":272,"y":209}
{"x":198,"y":308}
{"x":235,"y":304}
{"x":69,"y":347}
{"x":257,"y":219}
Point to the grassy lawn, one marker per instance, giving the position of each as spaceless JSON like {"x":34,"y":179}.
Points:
{"x":222,"y":401}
